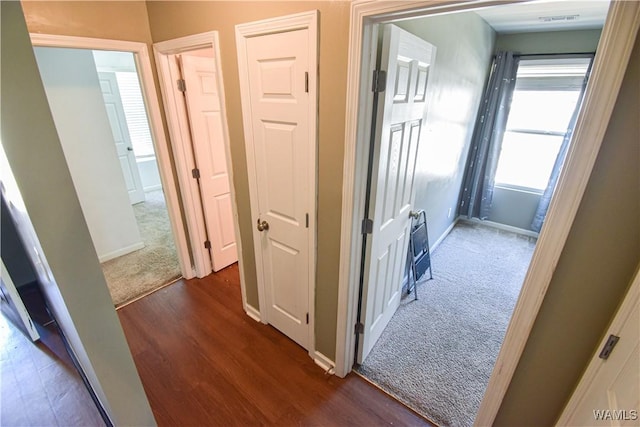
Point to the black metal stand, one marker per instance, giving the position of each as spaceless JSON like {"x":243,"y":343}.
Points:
{"x":420,"y":256}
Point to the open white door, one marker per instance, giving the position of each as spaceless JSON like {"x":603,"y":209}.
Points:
{"x":401,"y":114}
{"x":206,"y":122}
{"x":277,"y":71}
{"x":121,"y":137}
{"x":609,"y":392}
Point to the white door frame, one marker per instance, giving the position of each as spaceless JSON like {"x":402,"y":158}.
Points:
{"x":614,"y":49}
{"x":179,"y":131}
{"x":147,"y":85}
{"x":300,"y":21}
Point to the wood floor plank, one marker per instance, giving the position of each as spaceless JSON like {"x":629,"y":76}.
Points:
{"x":203,"y":361}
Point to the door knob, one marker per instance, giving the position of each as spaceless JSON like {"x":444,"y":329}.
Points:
{"x":129,"y":149}
{"x":262,"y":225}
{"x":414,"y":214}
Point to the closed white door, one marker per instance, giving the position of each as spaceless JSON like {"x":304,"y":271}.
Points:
{"x":401,"y":115}
{"x":280,"y":109}
{"x":205,"y":119}
{"x":609,"y":392}
{"x":121,"y":137}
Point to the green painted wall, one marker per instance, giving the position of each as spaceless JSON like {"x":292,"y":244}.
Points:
{"x":580,"y":41}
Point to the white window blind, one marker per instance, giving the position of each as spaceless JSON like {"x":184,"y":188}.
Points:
{"x":135,"y":113}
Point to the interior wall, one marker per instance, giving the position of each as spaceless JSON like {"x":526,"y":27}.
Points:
{"x":114,"y":20}
{"x":172,"y":19}
{"x":66,"y":261}
{"x":464,"y":44}
{"x":595,"y":269}
{"x":579,"y":41}
{"x":75,"y":98}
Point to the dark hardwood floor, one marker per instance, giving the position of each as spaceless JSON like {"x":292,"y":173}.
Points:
{"x":203,"y":361}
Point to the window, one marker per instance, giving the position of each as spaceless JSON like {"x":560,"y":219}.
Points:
{"x":545,"y":97}
{"x":136,"y":114}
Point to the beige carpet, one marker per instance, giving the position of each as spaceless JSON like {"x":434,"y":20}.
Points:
{"x":437,"y":353}
{"x":145,"y":270}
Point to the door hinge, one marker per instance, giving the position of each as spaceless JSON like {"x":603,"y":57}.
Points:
{"x":608,"y":347}
{"x":379,"y":81}
{"x":307,"y":318}
{"x":367,"y":226}
{"x":195,"y":173}
{"x":306,"y":81}
{"x":207,"y":244}
{"x":306,"y":220}
{"x":182,"y":85}
{"x":359,"y":328}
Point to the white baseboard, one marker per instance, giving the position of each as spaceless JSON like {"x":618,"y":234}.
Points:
{"x":253,"y":313}
{"x":499,"y":226}
{"x":444,"y":235}
{"x":120,"y":252}
{"x":152,"y":188}
{"x":324,"y":362}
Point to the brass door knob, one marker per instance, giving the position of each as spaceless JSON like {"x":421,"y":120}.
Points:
{"x":262,"y":225}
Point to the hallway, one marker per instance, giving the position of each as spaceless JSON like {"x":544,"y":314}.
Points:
{"x":203,"y":361}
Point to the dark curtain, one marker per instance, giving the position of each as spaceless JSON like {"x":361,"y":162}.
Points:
{"x":477,"y":190}
{"x":545,"y":200}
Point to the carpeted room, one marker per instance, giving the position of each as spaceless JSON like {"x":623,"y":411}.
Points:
{"x":441,"y":349}
{"x":437,"y":353}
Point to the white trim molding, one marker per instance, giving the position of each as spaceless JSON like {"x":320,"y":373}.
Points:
{"x":160,"y":144}
{"x":609,"y":67}
{"x":120,"y":252}
{"x":324,"y":362}
{"x":180,"y":134}
{"x":252,"y":312}
{"x":309,"y":21}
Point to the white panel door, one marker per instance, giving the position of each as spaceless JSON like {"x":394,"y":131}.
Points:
{"x":206,"y":122}
{"x":124,"y":148}
{"x":609,"y":392}
{"x":401,"y":115}
{"x":277,"y":64}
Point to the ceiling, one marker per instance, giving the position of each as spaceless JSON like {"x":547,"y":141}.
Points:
{"x":546,"y":15}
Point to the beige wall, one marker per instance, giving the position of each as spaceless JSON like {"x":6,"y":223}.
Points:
{"x":595,"y":269}
{"x":116,"y":20}
{"x":175,"y":19}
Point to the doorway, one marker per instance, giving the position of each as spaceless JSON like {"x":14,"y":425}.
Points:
{"x":354,"y":185}
{"x":100,"y":114}
{"x":192,"y":87}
